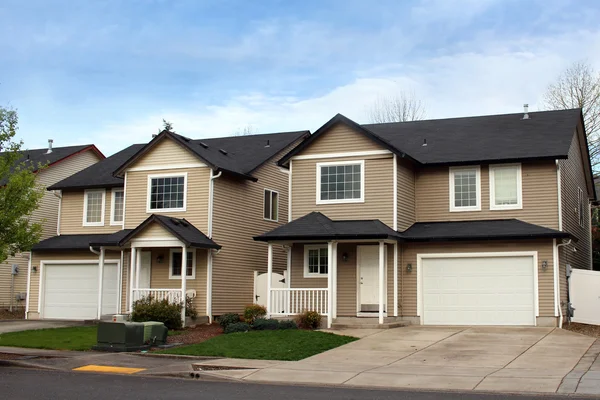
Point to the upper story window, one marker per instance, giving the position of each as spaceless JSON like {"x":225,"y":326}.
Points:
{"x":465,"y":189}
{"x":505,"y":187}
{"x":93,"y":207}
{"x":580,"y":206}
{"x":271,"y":205}
{"x":167,"y":192}
{"x":340,"y":182}
{"x":315,"y":261}
{"x":117,"y":207}
{"x":176,"y":264}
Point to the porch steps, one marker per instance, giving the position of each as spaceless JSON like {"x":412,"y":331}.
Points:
{"x":367,"y":323}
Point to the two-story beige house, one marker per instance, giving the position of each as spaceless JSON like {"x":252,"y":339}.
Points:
{"x":462,"y":221}
{"x":57,"y":164}
{"x":169,"y":218}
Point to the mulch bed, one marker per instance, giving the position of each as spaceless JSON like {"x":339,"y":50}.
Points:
{"x":198,"y":334}
{"x":19,"y":313}
{"x":584,"y":329}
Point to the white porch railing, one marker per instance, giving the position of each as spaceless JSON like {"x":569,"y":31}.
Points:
{"x":293,"y":301}
{"x":172,"y":295}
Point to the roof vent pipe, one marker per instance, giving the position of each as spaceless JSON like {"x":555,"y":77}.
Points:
{"x":50,"y":141}
{"x":525,"y":111}
{"x":424,"y":142}
{"x":268,"y":144}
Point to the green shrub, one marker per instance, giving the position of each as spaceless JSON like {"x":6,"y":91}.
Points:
{"x":237,"y":327}
{"x":309,"y":320}
{"x":254,"y":311}
{"x":262,"y":324}
{"x":227,"y":319}
{"x":190,"y":309}
{"x":149,"y":309}
{"x":288,"y":324}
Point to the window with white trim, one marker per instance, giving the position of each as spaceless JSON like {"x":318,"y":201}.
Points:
{"x":465,"y":189}
{"x":505,"y":187}
{"x":271,"y":205}
{"x":340,"y":182}
{"x":166,"y":192}
{"x":580,"y":207}
{"x":93,"y":207}
{"x":175,"y":264}
{"x":315,"y":261}
{"x":117,"y":207}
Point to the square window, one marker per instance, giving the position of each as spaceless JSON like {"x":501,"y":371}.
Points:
{"x":315,"y":261}
{"x":176,"y":264}
{"x":464,"y":189}
{"x":167,"y":193}
{"x":340,"y":183}
{"x":93,"y":206}
{"x":505,"y":187}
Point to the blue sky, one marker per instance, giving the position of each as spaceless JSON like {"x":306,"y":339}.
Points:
{"x":107,"y":72}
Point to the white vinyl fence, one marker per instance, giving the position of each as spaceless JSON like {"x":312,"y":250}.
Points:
{"x":584,"y":290}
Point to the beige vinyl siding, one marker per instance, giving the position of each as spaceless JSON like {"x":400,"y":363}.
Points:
{"x":197,"y":197}
{"x":237,"y":217}
{"x":573,"y":176}
{"x":166,"y":153}
{"x":34,"y":292}
{"x":20,"y":283}
{"x":154,"y":231}
{"x":408,"y":298}
{"x":339,"y":139}
{"x":406,"y":195}
{"x":540,"y":196}
{"x":71,"y":214}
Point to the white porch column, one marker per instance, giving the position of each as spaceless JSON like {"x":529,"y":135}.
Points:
{"x":395,"y":279}
{"x":381,"y":279}
{"x":335,"y":279}
{"x":269,"y":277}
{"x":288,"y":278}
{"x":209,"y":271}
{"x":329,"y":284}
{"x":132,"y":263}
{"x":100,"y":280}
{"x":138,"y":268}
{"x":183,"y":281}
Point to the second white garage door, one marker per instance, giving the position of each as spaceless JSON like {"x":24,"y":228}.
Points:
{"x":70,"y":291}
{"x":478,"y":291}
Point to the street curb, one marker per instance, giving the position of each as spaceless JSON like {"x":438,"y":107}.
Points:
{"x":176,"y":356}
{"x":25,"y":364}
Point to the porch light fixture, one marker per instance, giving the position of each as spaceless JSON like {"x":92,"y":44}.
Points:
{"x":160,"y":259}
{"x":345,"y":257}
{"x":544,"y":265}
{"x":408,"y":267}
{"x":34,"y":268}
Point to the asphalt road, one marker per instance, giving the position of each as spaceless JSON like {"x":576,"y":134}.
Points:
{"x":17,"y":383}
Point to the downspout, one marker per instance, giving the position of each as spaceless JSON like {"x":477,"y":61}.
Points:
{"x":58,"y":194}
{"x":94,"y":251}
{"x":209,"y":258}
{"x":560,"y":318}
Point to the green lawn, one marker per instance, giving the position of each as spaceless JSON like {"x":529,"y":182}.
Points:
{"x":287,"y":345}
{"x":76,"y":338}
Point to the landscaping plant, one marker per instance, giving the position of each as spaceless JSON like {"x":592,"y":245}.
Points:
{"x":254,"y":311}
{"x":262,"y":324}
{"x":150,"y":309}
{"x":237,"y":327}
{"x":227,"y":319}
{"x":309,"y":320}
{"x":288,"y":324}
{"x":190,"y":309}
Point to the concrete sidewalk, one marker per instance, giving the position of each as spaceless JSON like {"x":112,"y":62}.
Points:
{"x":26,"y":325}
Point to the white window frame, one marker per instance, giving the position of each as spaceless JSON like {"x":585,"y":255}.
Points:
{"x":149,"y":192}
{"x":477,"y":207}
{"x":85,"y":207}
{"x":580,"y":208}
{"x":314,"y":247}
{"x":112,"y":206}
{"x":492,"y":174}
{"x":171,"y":276}
{"x":276,"y":219}
{"x":337,"y":163}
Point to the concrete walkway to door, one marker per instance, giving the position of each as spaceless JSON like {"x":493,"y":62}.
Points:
{"x":463,"y":358}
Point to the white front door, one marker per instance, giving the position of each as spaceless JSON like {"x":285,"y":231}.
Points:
{"x":145,"y":268}
{"x":368,"y":278}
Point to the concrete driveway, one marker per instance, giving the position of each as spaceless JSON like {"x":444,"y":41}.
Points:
{"x":463,"y":358}
{"x":25,"y":325}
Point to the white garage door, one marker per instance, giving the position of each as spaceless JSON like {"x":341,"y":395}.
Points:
{"x":71,"y":291}
{"x":478,"y":291}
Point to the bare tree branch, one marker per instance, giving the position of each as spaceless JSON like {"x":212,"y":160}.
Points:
{"x":405,"y":106}
{"x":247,"y":130}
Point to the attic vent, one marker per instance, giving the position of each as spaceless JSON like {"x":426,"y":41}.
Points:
{"x":525,"y":111}
{"x":268,"y":144}
{"x":203,"y":145}
{"x":175,"y":221}
{"x":424,"y":142}
{"x":223,"y":151}
{"x":187,"y":139}
{"x":184,"y":223}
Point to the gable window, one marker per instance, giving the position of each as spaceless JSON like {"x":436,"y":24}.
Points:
{"x":340,"y":182}
{"x":271,"y":205}
{"x":505,"y":187}
{"x":167,"y":192}
{"x":176,"y":264}
{"x":580,"y":207}
{"x":465,"y":189}
{"x":117,"y":207}
{"x":315,"y":261}
{"x":93,"y":207}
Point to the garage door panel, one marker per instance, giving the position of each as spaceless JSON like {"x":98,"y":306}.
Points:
{"x":478,"y":291}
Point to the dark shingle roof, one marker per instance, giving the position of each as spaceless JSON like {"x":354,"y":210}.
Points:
{"x":100,"y":174}
{"x":79,"y":242}
{"x":180,"y":228}
{"x":37,"y":157}
{"x":317,"y":226}
{"x":479,"y":230}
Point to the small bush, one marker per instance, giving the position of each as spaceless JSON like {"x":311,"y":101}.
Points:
{"x":149,"y":309}
{"x":254,"y":311}
{"x":227,"y":319}
{"x":237,"y":327}
{"x":190,"y":309}
{"x":309,"y":320}
{"x":262,"y":324}
{"x":288,"y":324}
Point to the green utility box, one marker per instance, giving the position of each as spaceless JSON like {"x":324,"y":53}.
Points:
{"x":155,"y":333}
{"x":120,"y":336}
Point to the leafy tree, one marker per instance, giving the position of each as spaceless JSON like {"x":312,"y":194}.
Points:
{"x":167,"y":126}
{"x":402,"y":107}
{"x":19,"y":192}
